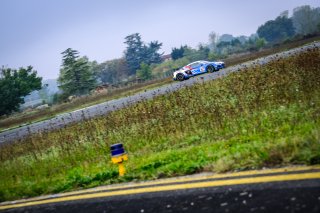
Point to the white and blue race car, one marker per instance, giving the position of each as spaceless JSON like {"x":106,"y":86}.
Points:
{"x":197,"y":68}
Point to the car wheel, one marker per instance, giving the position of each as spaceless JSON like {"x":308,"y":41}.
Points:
{"x":180,"y":77}
{"x":210,"y":68}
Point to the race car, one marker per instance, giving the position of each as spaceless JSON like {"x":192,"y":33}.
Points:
{"x":197,"y":68}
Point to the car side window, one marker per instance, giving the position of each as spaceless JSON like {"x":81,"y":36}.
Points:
{"x":194,"y":65}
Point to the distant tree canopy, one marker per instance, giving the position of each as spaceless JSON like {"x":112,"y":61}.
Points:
{"x":226,"y":38}
{"x":306,"y":20}
{"x":14,"y":85}
{"x":177,"y":53}
{"x":144,"y":72}
{"x":192,"y":54}
{"x":276,"y":30}
{"x":201,"y":53}
{"x":112,"y":71}
{"x":235,"y":42}
{"x":260,"y":42}
{"x":213,"y":39}
{"x":76,"y":77}
{"x":137,"y":52}
{"x":79,"y":76}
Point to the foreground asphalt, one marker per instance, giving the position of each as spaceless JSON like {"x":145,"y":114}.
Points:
{"x":65,"y":119}
{"x":291,"y":189}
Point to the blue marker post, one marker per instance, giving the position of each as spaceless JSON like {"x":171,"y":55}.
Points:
{"x":118,"y":156}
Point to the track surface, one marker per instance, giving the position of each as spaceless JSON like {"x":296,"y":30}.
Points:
{"x":292,"y":189}
{"x":62,"y":120}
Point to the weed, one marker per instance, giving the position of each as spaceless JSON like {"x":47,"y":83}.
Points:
{"x":264,"y":116}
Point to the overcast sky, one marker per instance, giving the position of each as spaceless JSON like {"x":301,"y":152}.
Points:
{"x":35,"y":32}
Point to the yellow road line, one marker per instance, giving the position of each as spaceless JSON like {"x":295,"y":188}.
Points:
{"x":177,"y":180}
{"x":184,"y":179}
{"x":229,"y":182}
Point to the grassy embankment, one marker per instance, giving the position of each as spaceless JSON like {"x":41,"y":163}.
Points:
{"x":38,"y":115}
{"x":24,"y":118}
{"x":262,"y":116}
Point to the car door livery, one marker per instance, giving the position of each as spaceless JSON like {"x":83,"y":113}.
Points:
{"x":197,"y":68}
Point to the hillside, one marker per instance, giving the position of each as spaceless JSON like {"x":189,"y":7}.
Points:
{"x":263,"y":116}
{"x":24,"y":118}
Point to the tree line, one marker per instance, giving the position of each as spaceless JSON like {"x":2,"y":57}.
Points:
{"x":303,"y":22}
{"x":78,"y":75}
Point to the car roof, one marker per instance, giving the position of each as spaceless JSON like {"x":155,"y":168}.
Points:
{"x":203,"y":62}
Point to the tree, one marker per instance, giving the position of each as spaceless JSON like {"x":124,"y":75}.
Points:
{"x":44,"y":93}
{"x":251,"y":43}
{"x":260,"y":42}
{"x":137,"y":52}
{"x":133,"y":53}
{"x":276,"y":30}
{"x":94,"y":67}
{"x":144,"y":72}
{"x":76,"y":77}
{"x":177,"y":53}
{"x":243,"y":39}
{"x":224,"y":47}
{"x":150,"y":53}
{"x":196,"y":54}
{"x":235,"y":42}
{"x":213,"y":39}
{"x":284,"y":14}
{"x":306,"y":20}
{"x":112,"y":71}
{"x":226,"y":38}
{"x":14,"y":85}
{"x":190,"y":54}
{"x":203,"y":52}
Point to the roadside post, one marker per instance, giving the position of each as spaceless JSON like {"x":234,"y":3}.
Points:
{"x":118,"y":156}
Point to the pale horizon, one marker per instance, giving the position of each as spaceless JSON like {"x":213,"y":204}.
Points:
{"x":35,"y":32}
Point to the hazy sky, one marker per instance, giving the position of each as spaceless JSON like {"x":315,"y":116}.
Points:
{"x":35,"y":32}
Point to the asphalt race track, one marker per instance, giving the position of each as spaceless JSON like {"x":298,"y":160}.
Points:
{"x":291,"y":189}
{"x":62,"y":120}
